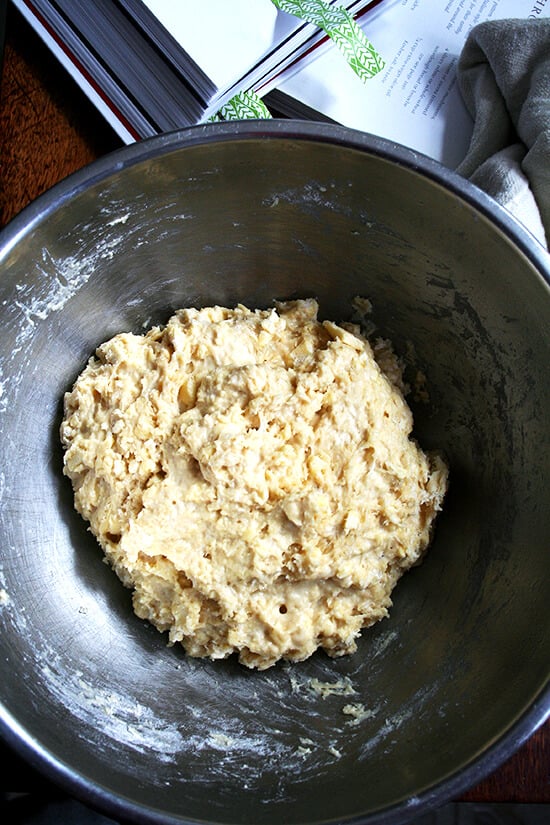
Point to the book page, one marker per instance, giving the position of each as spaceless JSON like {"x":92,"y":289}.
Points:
{"x":415,"y":100}
{"x":225,"y":37}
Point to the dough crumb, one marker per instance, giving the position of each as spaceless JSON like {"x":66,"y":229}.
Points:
{"x":358,"y":713}
{"x":251,"y":476}
{"x":342,"y":687}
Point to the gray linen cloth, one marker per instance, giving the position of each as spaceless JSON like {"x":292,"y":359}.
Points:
{"x":504,"y":78}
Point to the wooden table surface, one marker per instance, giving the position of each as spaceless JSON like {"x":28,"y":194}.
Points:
{"x":48,"y":129}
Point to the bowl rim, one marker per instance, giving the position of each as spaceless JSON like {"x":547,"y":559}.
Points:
{"x":538,"y":709}
{"x":301,"y":130}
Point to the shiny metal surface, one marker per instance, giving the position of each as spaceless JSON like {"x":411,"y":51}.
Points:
{"x":457,"y":677}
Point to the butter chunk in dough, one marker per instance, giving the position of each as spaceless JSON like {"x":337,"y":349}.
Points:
{"x":251,"y":475}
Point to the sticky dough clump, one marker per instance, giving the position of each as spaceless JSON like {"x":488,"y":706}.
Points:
{"x":251,"y":475}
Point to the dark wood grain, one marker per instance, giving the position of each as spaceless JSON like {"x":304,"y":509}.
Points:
{"x":48,"y":129}
{"x":525,"y":777}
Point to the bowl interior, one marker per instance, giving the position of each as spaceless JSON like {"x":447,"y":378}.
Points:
{"x":92,"y":694}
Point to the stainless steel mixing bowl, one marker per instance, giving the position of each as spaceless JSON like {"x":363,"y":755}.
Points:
{"x":457,"y":677}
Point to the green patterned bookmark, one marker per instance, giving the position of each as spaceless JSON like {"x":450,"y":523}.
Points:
{"x":342,"y":29}
{"x":243,"y":106}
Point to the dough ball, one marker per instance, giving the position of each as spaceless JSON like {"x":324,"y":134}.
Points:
{"x":251,"y":476}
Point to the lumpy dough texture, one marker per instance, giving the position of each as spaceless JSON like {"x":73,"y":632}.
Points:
{"x":251,"y":475}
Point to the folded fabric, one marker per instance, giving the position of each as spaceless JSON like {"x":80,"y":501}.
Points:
{"x":504,"y":78}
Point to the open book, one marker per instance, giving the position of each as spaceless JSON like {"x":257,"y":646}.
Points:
{"x":155,"y":65}
{"x":415,"y":99}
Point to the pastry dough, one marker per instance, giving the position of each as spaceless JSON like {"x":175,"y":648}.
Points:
{"x":251,"y":476}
